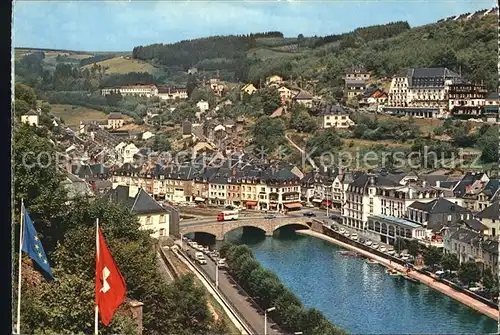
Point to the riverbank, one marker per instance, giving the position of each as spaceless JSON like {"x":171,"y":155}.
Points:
{"x":464,"y":299}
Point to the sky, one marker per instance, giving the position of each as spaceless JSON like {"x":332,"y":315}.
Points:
{"x":88,"y":25}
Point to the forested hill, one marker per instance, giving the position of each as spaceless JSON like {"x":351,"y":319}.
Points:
{"x":467,"y":45}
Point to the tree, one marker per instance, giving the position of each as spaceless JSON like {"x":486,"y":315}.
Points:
{"x":161,"y":143}
{"x":488,"y":143}
{"x":450,"y":262}
{"x":488,"y":279}
{"x":21,"y":107}
{"x":268,"y":133}
{"x":400,"y":244}
{"x":323,"y":143}
{"x":26,"y":94}
{"x":301,"y":121}
{"x":413,"y":247}
{"x":469,"y":273}
{"x":38,"y":182}
{"x":271,"y":99}
{"x":432,"y":256}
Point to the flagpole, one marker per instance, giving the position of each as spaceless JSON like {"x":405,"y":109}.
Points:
{"x":96,"y":324}
{"x":21,"y":229}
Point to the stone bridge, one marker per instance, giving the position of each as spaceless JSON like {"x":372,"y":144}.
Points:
{"x":219,"y":229}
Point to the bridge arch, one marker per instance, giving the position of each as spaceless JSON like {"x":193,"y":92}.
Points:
{"x":284,"y":224}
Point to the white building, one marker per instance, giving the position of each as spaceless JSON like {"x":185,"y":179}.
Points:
{"x":172,"y":93}
{"x":422,"y":87}
{"x":115,"y":120}
{"x":146,"y":90}
{"x":202,"y":106}
{"x":151,"y":215}
{"x":31,"y":118}
{"x":336,"y":117}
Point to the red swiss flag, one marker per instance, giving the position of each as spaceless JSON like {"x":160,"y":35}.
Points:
{"x":110,"y":286}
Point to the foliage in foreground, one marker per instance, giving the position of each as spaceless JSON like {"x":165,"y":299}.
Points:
{"x":268,"y":291}
{"x":66,"y":306}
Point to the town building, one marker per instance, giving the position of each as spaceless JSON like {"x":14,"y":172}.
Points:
{"x":172,"y":93}
{"x":274,"y":80}
{"x":357,"y":73}
{"x":336,"y":116}
{"x":353,"y":88}
{"x":374,"y":97}
{"x":216,"y":86}
{"x":202,"y":106}
{"x":115,"y":120}
{"x":31,"y":117}
{"x":152,"y":216}
{"x":490,"y":217}
{"x":422,"y":88}
{"x":144,"y":90}
{"x":304,"y":98}
{"x":466,"y":99}
{"x":286,"y":94}
{"x":248,"y":89}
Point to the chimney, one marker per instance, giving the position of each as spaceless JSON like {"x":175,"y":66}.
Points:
{"x":136,"y":309}
{"x":132,"y":191}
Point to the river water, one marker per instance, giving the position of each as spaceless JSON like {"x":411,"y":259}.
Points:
{"x":357,"y":296}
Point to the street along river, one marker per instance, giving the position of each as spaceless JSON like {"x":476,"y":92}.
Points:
{"x":357,"y":296}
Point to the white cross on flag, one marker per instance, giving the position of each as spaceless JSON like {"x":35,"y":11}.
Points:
{"x":110,"y":289}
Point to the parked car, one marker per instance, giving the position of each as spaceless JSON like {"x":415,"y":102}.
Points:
{"x":354,"y":236}
{"x":200,"y":258}
{"x":270,"y":216}
{"x":309,"y":214}
{"x":334,"y":227}
{"x":206,"y":250}
{"x":368,"y":242}
{"x":347,"y":234}
{"x":382,"y":248}
{"x":221,"y":263}
{"x":375,"y":245}
{"x":391,"y":252}
{"x":335,"y":217}
{"x":342,"y":230}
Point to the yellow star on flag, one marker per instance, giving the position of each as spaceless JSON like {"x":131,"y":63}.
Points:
{"x":36,"y":238}
{"x":40,"y":255}
{"x":36,"y":246}
{"x":44,"y":261}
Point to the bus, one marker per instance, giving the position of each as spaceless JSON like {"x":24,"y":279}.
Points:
{"x":227,"y":215}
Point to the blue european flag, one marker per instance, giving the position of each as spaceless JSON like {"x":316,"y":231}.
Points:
{"x":32,"y":245}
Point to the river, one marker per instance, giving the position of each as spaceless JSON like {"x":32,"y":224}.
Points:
{"x":358,"y":296}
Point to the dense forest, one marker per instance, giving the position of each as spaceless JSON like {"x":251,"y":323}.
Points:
{"x":367,"y":33}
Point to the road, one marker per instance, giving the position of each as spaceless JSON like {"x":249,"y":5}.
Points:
{"x":163,"y":268}
{"x":239,"y":300}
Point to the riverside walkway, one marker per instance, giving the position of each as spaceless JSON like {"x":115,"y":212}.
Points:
{"x":443,"y":288}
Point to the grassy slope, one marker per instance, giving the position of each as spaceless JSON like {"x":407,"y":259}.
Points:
{"x":72,"y":117}
{"x":120,"y":65}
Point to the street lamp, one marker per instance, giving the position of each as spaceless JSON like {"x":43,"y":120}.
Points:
{"x":265,"y":318}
